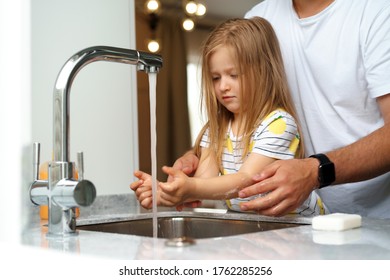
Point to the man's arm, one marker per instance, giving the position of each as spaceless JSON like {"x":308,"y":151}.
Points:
{"x":291,"y":181}
{"x":370,"y":156}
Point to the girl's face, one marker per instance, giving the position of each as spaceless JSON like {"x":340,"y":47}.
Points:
{"x":225,"y":79}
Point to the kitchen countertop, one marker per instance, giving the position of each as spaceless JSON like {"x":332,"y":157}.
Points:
{"x":370,"y":241}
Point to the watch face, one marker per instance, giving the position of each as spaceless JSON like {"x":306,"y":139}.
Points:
{"x":327,"y":173}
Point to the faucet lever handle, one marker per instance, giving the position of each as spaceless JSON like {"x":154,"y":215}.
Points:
{"x":36,"y":160}
{"x":80,"y":165}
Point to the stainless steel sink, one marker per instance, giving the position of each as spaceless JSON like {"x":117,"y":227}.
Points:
{"x":193,"y":225}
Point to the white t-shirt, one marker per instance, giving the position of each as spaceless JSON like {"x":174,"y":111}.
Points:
{"x":337,"y":62}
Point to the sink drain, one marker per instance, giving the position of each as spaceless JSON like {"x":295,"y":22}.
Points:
{"x":179,"y":242}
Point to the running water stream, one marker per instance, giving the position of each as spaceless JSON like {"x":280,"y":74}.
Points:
{"x":153,"y":146}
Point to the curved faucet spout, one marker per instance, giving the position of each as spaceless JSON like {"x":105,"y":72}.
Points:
{"x":61,"y":192}
{"x":144,"y":61}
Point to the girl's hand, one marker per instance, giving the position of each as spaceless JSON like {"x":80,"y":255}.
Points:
{"x":176,"y":191}
{"x":188,"y":163}
{"x":143,"y":189}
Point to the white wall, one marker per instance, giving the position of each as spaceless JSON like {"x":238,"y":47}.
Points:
{"x":15,"y":115}
{"x":103,"y":102}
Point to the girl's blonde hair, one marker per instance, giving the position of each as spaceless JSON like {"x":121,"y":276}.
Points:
{"x":262,"y":79}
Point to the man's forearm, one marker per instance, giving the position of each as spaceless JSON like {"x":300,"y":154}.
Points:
{"x":365,"y":159}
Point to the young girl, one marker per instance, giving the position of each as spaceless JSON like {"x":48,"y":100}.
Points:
{"x":251,"y":120}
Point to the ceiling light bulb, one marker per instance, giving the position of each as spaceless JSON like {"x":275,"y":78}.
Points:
{"x":152,"y":5}
{"x":188,"y":24}
{"x":191,"y":7}
{"x":201,"y":10}
{"x":153,"y":46}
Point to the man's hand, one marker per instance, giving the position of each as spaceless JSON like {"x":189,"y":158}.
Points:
{"x":287,"y":182}
{"x":188,"y":163}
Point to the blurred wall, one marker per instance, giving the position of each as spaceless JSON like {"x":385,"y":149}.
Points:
{"x":103,"y":102}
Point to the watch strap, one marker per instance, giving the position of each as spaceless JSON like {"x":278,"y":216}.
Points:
{"x":326,"y":170}
{"x":322,"y":158}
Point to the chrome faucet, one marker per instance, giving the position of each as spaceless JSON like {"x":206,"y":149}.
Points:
{"x":61,"y":191}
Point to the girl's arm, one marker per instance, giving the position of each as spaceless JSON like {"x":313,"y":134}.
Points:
{"x":205,"y":186}
{"x":143,"y":187}
{"x":207,"y":167}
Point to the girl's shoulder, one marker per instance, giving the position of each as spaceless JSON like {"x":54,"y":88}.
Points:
{"x":277,"y":114}
{"x":277,"y":122}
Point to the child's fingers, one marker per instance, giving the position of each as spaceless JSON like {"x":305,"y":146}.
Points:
{"x":146,"y":203}
{"x":145,"y":195}
{"x":135,"y":185}
{"x":170,"y":200}
{"x":166,"y":201}
{"x":167,"y":187}
{"x":169,"y":170}
{"x":138,"y":174}
{"x":142,"y":175}
{"x":143,"y":188}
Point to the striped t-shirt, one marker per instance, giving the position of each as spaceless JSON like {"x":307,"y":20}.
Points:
{"x":276,"y":137}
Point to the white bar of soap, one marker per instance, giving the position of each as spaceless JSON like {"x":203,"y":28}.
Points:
{"x":336,"y":222}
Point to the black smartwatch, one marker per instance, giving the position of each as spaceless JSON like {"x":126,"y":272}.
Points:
{"x":326,"y":170}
